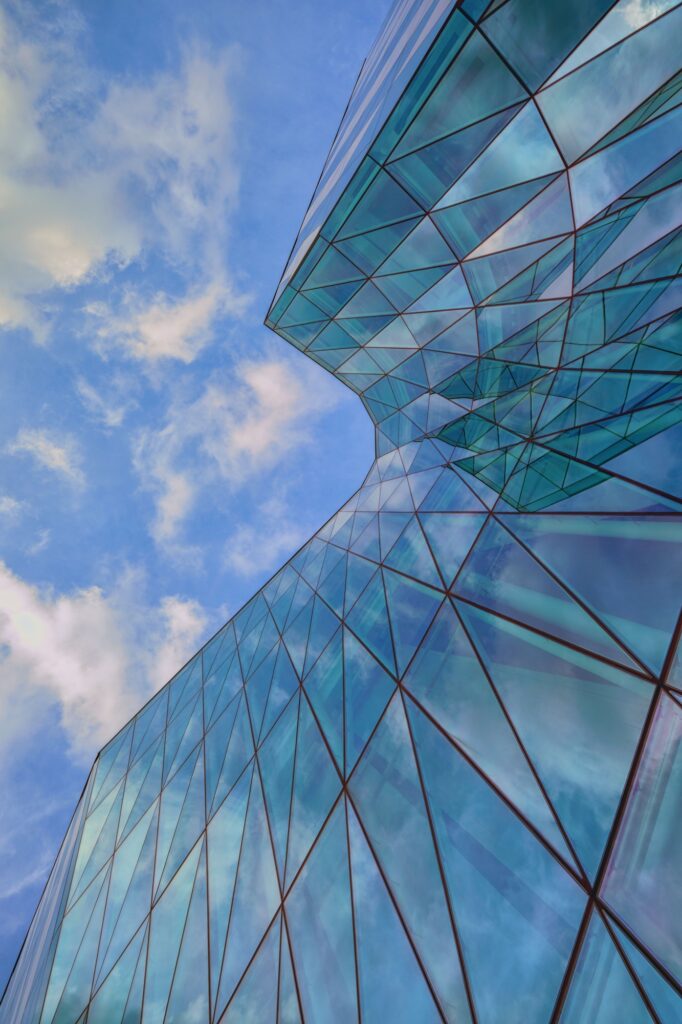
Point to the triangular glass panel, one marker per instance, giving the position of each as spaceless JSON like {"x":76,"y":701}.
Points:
{"x":516,"y":909}
{"x":392,"y":984}
{"x":447,"y":679}
{"x":602,"y":990}
{"x":579,"y":719}
{"x":316,"y":784}
{"x":256,"y":997}
{"x":224,"y":843}
{"x":249,"y":918}
{"x":319,"y":915}
{"x":501,"y":575}
{"x":388,"y":798}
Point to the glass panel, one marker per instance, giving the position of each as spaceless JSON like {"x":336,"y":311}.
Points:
{"x":641,"y":882}
{"x":602,"y":989}
{"x":516,"y":909}
{"x":319,"y":914}
{"x":387,"y":795}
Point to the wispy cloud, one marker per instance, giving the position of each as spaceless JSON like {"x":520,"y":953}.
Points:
{"x":10,"y":508}
{"x":40,"y":543}
{"x":128,"y":167}
{"x":270,"y":537}
{"x":165,"y":328}
{"x":110,"y":412}
{"x":60,"y":454}
{"x":95,"y":655}
{"x":241,"y":425}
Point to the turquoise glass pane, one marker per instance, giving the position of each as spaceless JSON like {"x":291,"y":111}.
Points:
{"x":602,"y":989}
{"x":516,"y":909}
{"x":641,"y":882}
{"x":388,"y":786}
{"x":387,"y":795}
{"x":392,"y":985}
{"x":579,"y":719}
{"x":319,"y":915}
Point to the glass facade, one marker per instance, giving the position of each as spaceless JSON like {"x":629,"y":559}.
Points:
{"x":432,"y":771}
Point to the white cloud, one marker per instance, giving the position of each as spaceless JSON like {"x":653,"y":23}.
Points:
{"x":125,"y":167}
{"x":270,"y":537}
{"x":96,"y":656}
{"x":165,"y":328}
{"x":109,"y":412}
{"x":239,"y":427}
{"x":10,"y":507}
{"x":58,"y":453}
{"x":40,"y":543}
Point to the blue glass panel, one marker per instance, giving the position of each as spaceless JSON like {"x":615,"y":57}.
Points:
{"x":579,"y":719}
{"x":256,"y":998}
{"x":249,"y":918}
{"x":516,"y":909}
{"x":665,"y":1000}
{"x":316,"y":784}
{"x":447,"y":679}
{"x":602,"y":989}
{"x":642,"y":879}
{"x":392,"y":985}
{"x":387,"y":795}
{"x":319,"y":915}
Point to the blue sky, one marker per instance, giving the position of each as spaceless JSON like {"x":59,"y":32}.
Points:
{"x":161,"y":452}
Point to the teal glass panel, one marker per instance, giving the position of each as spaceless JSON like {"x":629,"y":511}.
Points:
{"x":316,"y":785}
{"x":427,"y":173}
{"x":579,"y":719}
{"x":224,"y":840}
{"x":167,"y":927}
{"x":256,"y":997}
{"x":237,"y":755}
{"x":367,"y":691}
{"x":412,"y":608}
{"x":516,"y":909}
{"x":641,"y":882}
{"x":635,"y":592}
{"x":143,"y":785}
{"x":288,"y":1008}
{"x":499,"y":165}
{"x":666,"y":1001}
{"x":501,"y":575}
{"x":319,"y":915}
{"x":368,"y":618}
{"x":585,"y":105}
{"x":387,"y":796}
{"x":476,"y":85}
{"x":181,"y":819}
{"x":112,"y":1002}
{"x":189,"y":992}
{"x":602,"y":989}
{"x":130,"y":892}
{"x":392,"y":984}
{"x":276,"y":761}
{"x":188,"y":825}
{"x":534,"y":36}
{"x":324,"y":686}
{"x":447,"y":680}
{"x":450,"y":539}
{"x":249,"y":919}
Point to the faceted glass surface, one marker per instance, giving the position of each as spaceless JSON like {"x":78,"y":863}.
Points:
{"x":432,"y":770}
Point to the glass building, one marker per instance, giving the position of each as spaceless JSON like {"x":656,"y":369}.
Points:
{"x":432,"y":771}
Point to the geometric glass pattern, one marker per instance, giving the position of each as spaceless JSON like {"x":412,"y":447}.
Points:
{"x":432,"y":771}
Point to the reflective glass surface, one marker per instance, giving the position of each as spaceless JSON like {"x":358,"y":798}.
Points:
{"x":432,"y":770}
